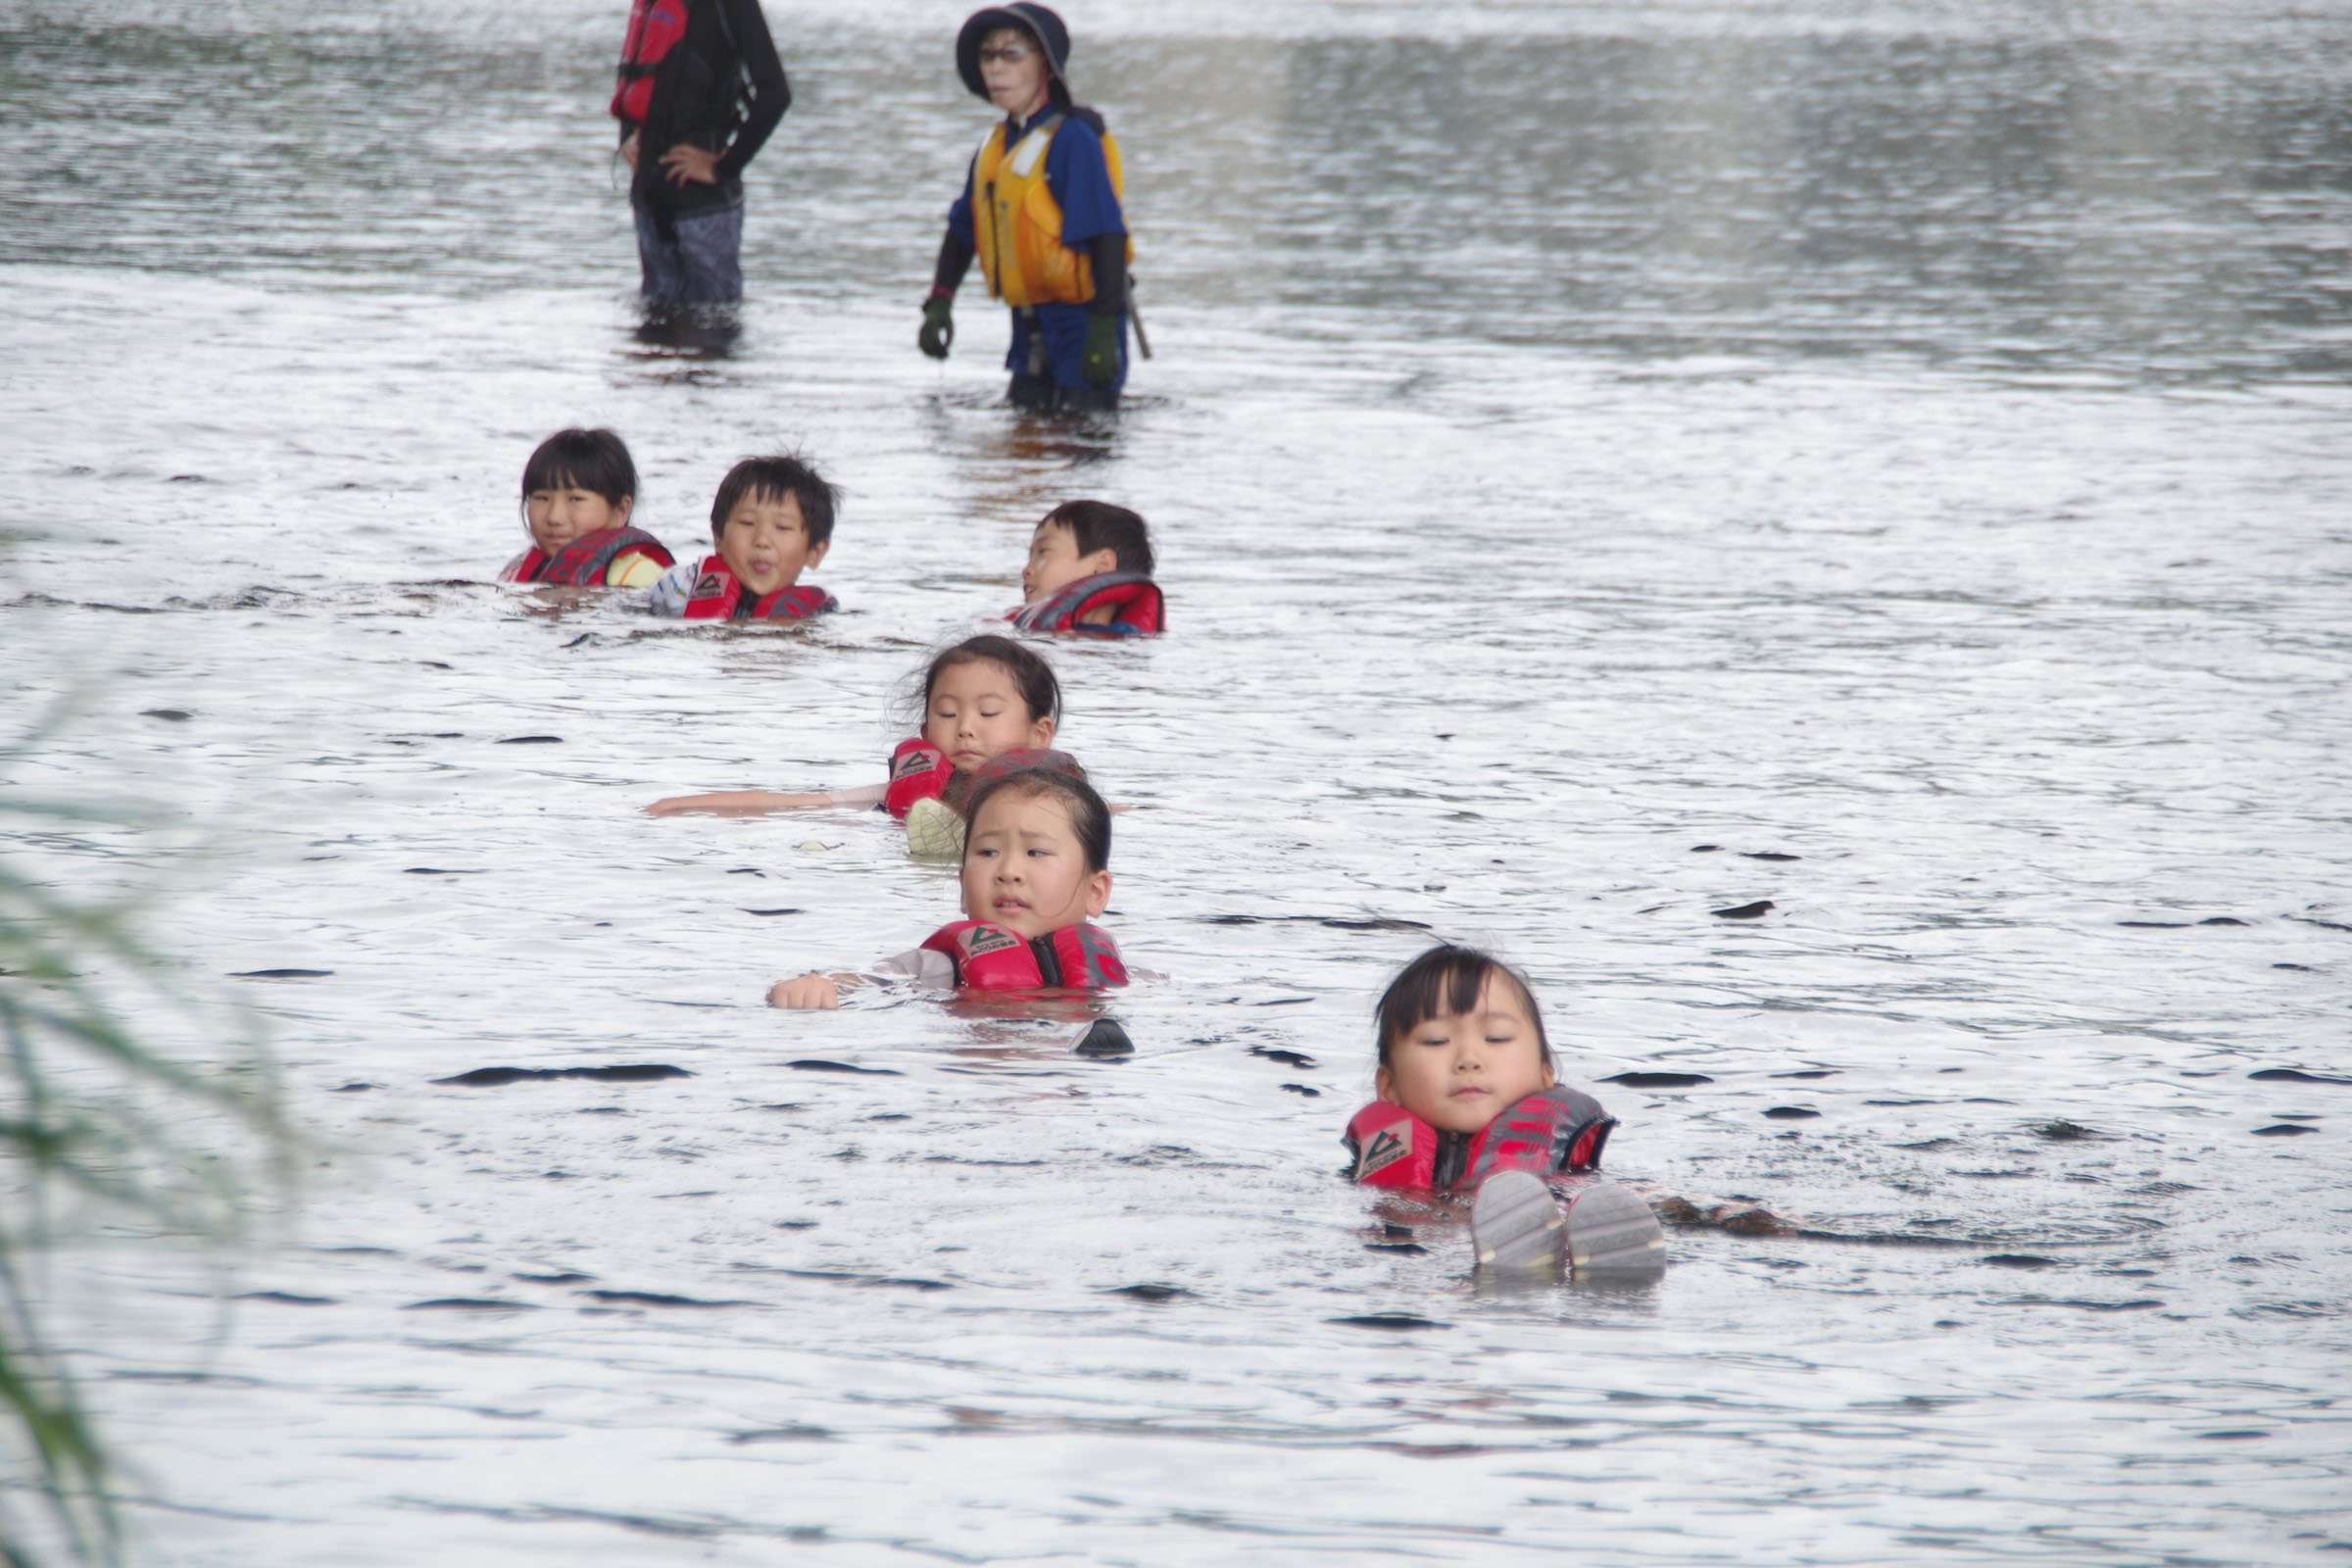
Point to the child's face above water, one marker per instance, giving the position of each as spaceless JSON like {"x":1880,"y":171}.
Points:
{"x":562,"y":514}
{"x":977,"y":711}
{"x":1055,"y":561}
{"x":1460,"y":1070}
{"x":765,"y":542}
{"x":1024,"y":868}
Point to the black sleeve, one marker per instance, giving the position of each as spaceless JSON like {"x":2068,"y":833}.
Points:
{"x":1108,"y":252}
{"x":954,"y":259}
{"x":771,"y":94}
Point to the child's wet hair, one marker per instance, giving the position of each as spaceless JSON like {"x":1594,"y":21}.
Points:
{"x":595,"y":460}
{"x":1090,"y":818}
{"x":960,"y":791}
{"x":1031,"y":676}
{"x":772,"y":479}
{"x":1099,"y":525}
{"x":1446,"y":980}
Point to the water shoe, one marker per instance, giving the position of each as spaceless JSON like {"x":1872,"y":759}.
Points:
{"x":1611,"y":1230}
{"x":934,"y":830}
{"x":1516,"y":1225}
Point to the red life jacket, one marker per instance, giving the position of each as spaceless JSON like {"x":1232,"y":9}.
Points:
{"x":919,"y":771}
{"x":717,"y":596}
{"x":989,"y":957}
{"x":655,"y":29}
{"x":583,"y":563}
{"x":1137,"y":610}
{"x":1552,"y":1130}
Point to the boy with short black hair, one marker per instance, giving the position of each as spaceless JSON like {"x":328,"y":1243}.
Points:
{"x":1090,"y":571}
{"x":771,"y":521}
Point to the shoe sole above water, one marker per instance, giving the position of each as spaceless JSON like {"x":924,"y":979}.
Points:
{"x":1515,"y":1224}
{"x":1612,"y":1230}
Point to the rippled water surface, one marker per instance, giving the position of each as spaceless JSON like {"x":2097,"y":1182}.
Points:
{"x":1611,"y":463}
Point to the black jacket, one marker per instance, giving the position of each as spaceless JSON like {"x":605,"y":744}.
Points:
{"x":722,"y":88}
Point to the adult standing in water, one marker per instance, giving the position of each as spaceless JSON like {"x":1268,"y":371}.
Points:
{"x":699,"y":90}
{"x":1041,"y":210}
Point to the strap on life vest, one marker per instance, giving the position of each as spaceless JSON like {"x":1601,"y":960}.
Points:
{"x":656,"y":27}
{"x":717,"y":596}
{"x":1016,"y":221}
{"x":919,"y":771}
{"x":583,"y":563}
{"x":989,"y":957}
{"x":1553,"y":1130}
{"x":1137,"y":608}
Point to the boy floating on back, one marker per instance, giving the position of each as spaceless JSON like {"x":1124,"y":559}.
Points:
{"x":1090,"y":571}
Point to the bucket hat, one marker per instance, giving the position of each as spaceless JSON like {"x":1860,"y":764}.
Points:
{"x":1039,"y":22}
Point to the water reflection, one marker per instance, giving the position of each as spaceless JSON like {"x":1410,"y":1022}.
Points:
{"x":2139,"y":201}
{"x":691,"y":331}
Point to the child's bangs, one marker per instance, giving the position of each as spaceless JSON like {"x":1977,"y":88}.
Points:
{"x":552,"y":474}
{"x":1445,"y":981}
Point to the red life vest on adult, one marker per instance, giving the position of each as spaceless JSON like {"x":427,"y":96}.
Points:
{"x":717,"y":596}
{"x":655,"y":29}
{"x":989,"y":957}
{"x":583,"y":563}
{"x":1552,"y":1130}
{"x":1135,"y":608}
{"x":919,"y":771}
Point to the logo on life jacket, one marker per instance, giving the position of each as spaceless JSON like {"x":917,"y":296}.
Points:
{"x":981,"y":941}
{"x":1384,"y":1150}
{"x":710,"y":585}
{"x":914,"y":762}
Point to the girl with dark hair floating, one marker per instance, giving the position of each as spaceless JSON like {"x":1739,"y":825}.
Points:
{"x":1036,"y":873}
{"x":985,"y":700}
{"x":578,"y":489}
{"x":1468,"y":1102}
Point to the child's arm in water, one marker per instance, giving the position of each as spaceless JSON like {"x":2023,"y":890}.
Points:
{"x":812,"y":990}
{"x":922,"y":965}
{"x":752,"y":803}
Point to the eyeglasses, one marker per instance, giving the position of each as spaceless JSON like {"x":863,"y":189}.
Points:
{"x":1006,"y":54}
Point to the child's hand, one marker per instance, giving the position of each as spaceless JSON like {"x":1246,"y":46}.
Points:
{"x":628,"y":150}
{"x":687,"y":162}
{"x":804,"y":991}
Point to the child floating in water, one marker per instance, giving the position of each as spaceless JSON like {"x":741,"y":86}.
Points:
{"x":1468,"y":1102}
{"x":1036,"y":872}
{"x":983,"y":697}
{"x":578,"y":492}
{"x":771,"y":521}
{"x":1090,"y":571}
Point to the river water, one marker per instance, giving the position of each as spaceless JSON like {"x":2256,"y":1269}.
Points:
{"x":1901,"y":446}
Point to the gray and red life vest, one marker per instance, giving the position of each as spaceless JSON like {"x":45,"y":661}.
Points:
{"x":1137,"y":610}
{"x":717,"y":596}
{"x":919,"y":771}
{"x":656,"y":27}
{"x":989,"y":957}
{"x":583,"y":563}
{"x":1553,"y":1130}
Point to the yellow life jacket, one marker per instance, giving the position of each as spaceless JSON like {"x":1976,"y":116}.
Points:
{"x":1016,"y":223}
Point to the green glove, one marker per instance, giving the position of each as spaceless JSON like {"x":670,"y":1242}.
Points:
{"x":939,"y":327}
{"x":1100,"y":363}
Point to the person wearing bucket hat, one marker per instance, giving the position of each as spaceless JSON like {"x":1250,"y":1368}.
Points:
{"x":1041,"y":211}
{"x":699,"y":89}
